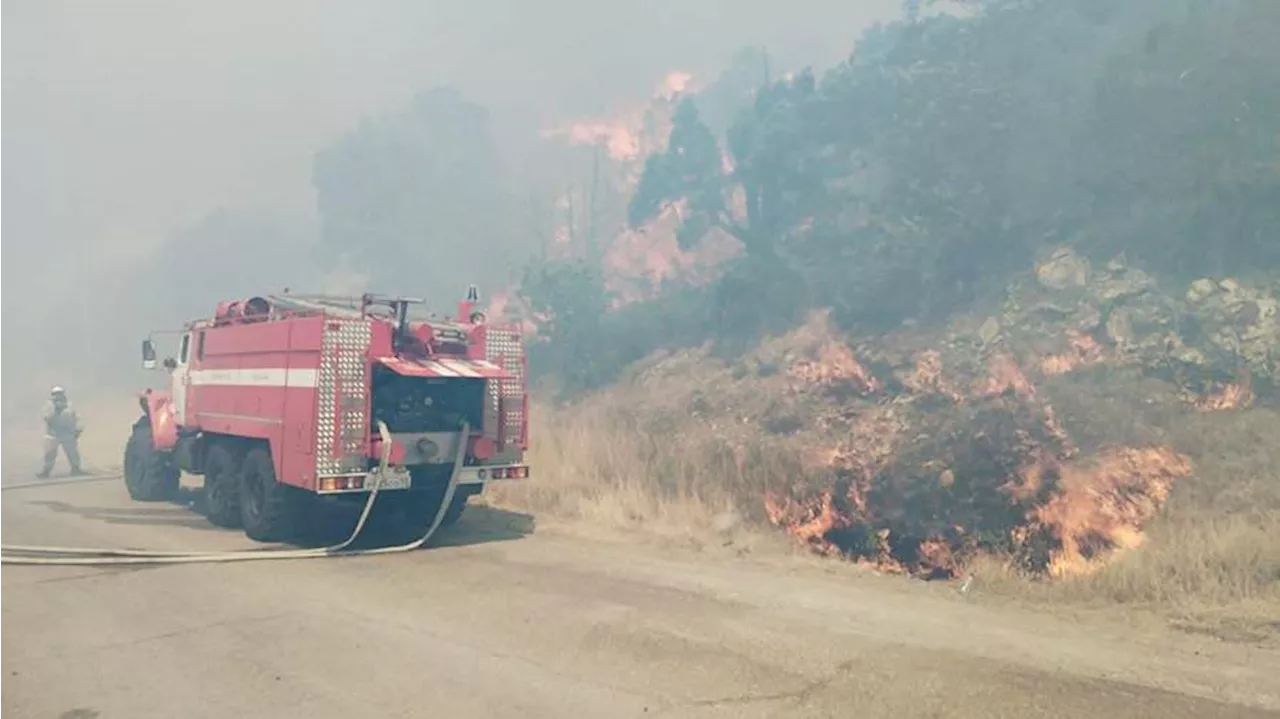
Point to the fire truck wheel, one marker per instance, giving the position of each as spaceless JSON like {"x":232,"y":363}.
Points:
{"x":421,"y":509}
{"x":150,"y":476}
{"x":222,"y":486}
{"x":455,"y":510}
{"x":267,"y":507}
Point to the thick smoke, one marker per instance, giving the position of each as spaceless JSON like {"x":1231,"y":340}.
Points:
{"x":144,"y":137}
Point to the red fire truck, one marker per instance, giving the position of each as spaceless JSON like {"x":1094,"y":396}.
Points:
{"x":285,"y":403}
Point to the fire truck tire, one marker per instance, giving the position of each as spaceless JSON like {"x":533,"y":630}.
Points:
{"x":267,"y":508}
{"x":421,"y":507}
{"x":402,"y":516}
{"x":150,"y":476}
{"x":222,"y":486}
{"x":456,"y":507}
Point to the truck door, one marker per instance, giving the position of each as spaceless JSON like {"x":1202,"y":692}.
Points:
{"x":181,"y":380}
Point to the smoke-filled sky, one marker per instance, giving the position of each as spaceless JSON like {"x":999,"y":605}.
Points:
{"x":125,"y":118}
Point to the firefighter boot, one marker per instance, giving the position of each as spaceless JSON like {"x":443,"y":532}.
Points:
{"x":51,"y":445}
{"x":71,"y":447}
{"x":50,"y":455}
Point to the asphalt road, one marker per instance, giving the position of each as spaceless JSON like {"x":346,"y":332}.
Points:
{"x":502,"y":620}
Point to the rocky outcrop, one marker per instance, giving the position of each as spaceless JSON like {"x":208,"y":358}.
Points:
{"x":1210,"y":332}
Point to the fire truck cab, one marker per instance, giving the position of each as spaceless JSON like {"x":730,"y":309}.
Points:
{"x":283,"y":403}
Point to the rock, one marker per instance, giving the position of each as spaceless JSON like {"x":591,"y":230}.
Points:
{"x":1120,"y":327}
{"x":1088,"y":318}
{"x":1258,"y":354}
{"x":1189,"y":355}
{"x":1130,"y":284}
{"x":1201,"y":289}
{"x":1240,"y":320}
{"x":989,"y":330}
{"x":1248,"y":313}
{"x":1224,"y":339}
{"x":1063,"y":269}
{"x":1050,"y":312}
{"x":1118,"y":264}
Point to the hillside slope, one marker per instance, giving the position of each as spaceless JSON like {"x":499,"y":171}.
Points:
{"x":1094,"y":426}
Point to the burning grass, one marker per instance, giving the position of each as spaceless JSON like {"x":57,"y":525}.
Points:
{"x":1124,"y":494}
{"x":1103,"y":442}
{"x":1125,"y":528}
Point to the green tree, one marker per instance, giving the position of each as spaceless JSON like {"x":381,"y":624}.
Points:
{"x":690,"y":170}
{"x":948,"y":151}
{"x":570,"y":300}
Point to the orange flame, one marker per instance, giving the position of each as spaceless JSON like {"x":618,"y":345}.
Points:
{"x":809,"y":523}
{"x":1101,"y":508}
{"x":926,"y":377}
{"x":631,"y":134}
{"x":1084,"y":351}
{"x":1068,"y":517}
{"x":835,"y":365}
{"x":638,"y":263}
{"x":814,"y":523}
{"x":1005,"y":376}
{"x":1224,"y":396}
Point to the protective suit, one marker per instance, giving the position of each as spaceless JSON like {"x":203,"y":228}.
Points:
{"x":62,"y":428}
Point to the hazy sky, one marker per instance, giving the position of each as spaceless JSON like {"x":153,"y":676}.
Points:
{"x":124,"y":120}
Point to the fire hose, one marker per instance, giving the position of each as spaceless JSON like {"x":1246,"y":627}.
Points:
{"x":87,"y":556}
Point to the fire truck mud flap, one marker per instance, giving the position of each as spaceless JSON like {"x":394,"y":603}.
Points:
{"x":89,"y":556}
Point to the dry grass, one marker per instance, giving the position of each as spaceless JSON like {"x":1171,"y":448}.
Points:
{"x":603,"y":467}
{"x":1210,"y":563}
{"x":1185,"y":565}
{"x":636,"y":462}
{"x":1221,"y":587}
{"x":1213,"y":562}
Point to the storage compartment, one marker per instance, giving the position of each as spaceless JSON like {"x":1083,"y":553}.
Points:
{"x":426,"y":404}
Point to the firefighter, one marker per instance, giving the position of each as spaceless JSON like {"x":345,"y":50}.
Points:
{"x":62,"y":428}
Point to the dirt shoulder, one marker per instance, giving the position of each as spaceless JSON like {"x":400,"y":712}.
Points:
{"x":511,"y":614}
{"x":1149,"y":645}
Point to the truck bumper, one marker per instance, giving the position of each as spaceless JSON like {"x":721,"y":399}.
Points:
{"x":398,"y":478}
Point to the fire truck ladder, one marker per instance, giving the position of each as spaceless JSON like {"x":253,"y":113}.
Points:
{"x":89,"y":556}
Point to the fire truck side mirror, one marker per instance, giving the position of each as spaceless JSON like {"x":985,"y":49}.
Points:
{"x":148,"y":354}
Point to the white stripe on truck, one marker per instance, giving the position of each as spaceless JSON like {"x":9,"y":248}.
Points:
{"x":255,"y":377}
